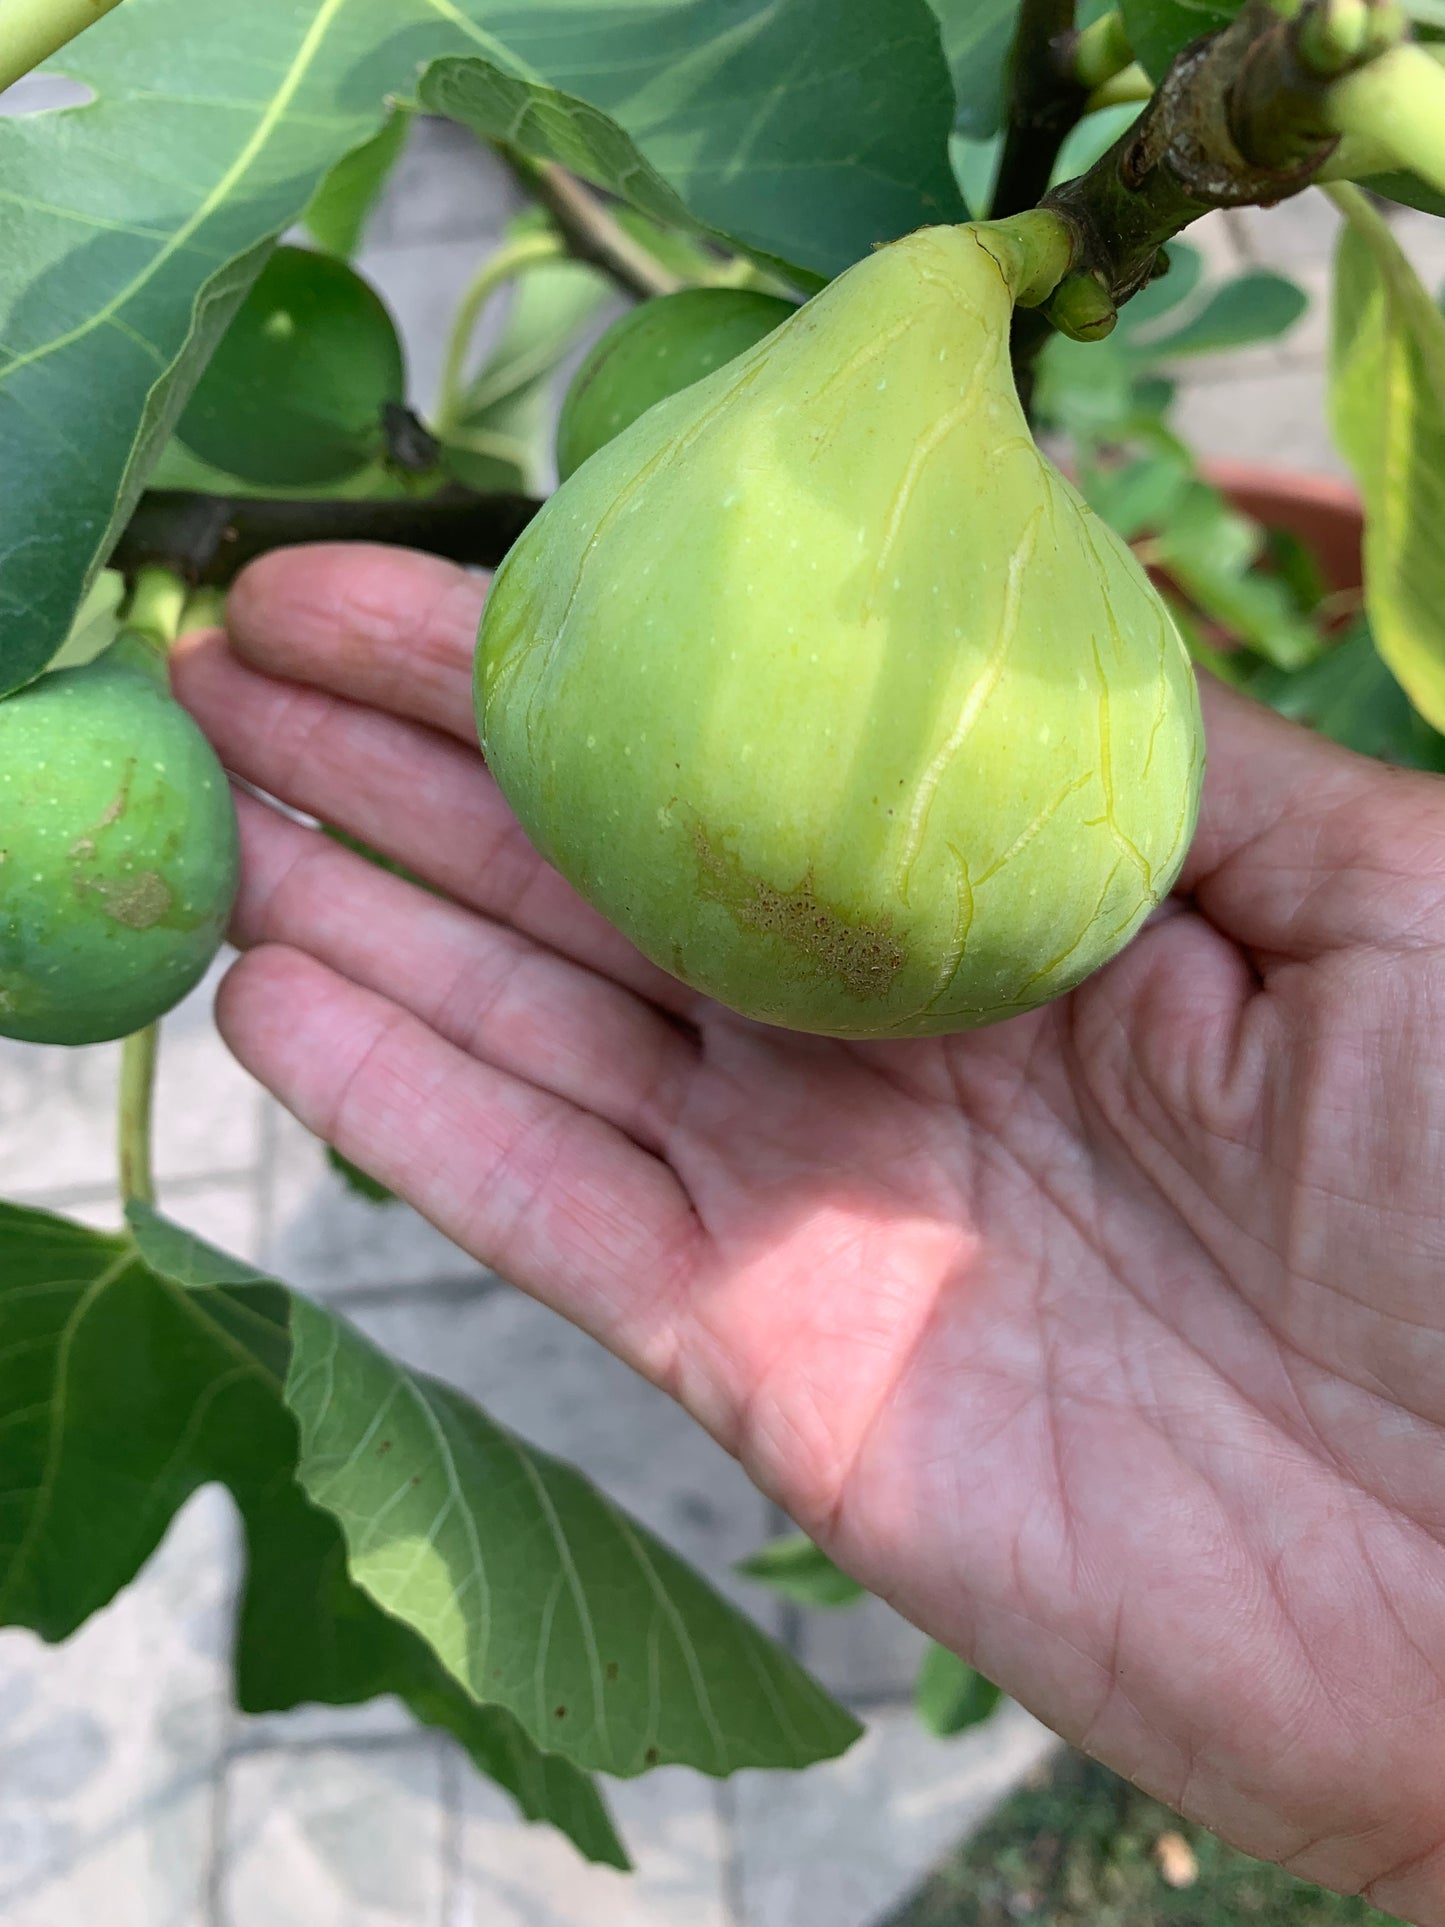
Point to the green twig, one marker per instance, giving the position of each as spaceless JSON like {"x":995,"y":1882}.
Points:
{"x":1238,"y":120}
{"x":32,"y":30}
{"x":137,"y":1097}
{"x":495,"y":272}
{"x":588,"y":228}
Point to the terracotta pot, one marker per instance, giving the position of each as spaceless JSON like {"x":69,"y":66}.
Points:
{"x":1322,"y":512}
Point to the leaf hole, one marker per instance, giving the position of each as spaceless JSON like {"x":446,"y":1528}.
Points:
{"x":45,"y":94}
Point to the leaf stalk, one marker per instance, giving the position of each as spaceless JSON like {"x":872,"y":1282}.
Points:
{"x":589,"y":229}
{"x":32,"y":30}
{"x":137,"y":1098}
{"x":509,"y":261}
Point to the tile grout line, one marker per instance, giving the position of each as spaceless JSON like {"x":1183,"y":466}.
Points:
{"x":450,"y":1854}
{"x":263,"y":1179}
{"x":218,"y":1825}
{"x":730,"y":1870}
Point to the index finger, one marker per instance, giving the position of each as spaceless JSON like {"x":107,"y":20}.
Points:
{"x":382,"y":626}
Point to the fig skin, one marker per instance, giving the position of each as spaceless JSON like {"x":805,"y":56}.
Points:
{"x":825,"y":687}
{"x":653,"y":351}
{"x":118,"y":852}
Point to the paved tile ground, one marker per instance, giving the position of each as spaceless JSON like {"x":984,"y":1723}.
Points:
{"x":130,"y":1792}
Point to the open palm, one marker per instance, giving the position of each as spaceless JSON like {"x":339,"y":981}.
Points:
{"x":1108,"y":1344}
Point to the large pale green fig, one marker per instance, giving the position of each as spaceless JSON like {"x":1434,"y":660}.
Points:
{"x":826,"y":687}
{"x":653,"y":351}
{"x":118,"y":852}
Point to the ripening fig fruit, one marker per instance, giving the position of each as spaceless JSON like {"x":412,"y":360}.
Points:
{"x":294,"y":395}
{"x":118,"y":852}
{"x":829,"y":690}
{"x":651,"y":352}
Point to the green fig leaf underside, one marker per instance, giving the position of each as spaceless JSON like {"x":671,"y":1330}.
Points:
{"x":130,"y":1376}
{"x":1387,"y":400}
{"x":459,"y":1567}
{"x":337,"y":213}
{"x":602,"y":1643}
{"x":680,"y":662}
{"x":978,"y":37}
{"x":135,"y":224}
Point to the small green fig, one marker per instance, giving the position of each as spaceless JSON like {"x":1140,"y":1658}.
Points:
{"x":827,"y":688}
{"x":294,"y":395}
{"x":653,"y":351}
{"x":118,"y":851}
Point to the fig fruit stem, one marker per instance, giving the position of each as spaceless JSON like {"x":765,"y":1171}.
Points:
{"x":1034,"y":250}
{"x":32,"y":30}
{"x":1397,"y":103}
{"x":509,"y":261}
{"x":137,"y":1098}
{"x":156,"y":607}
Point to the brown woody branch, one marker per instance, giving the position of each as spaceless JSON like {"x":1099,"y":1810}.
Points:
{"x":209,"y":539}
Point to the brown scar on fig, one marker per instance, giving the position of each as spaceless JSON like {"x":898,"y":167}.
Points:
{"x":139,"y":902}
{"x":82,"y":847}
{"x":863,"y":958}
{"x":115,"y":809}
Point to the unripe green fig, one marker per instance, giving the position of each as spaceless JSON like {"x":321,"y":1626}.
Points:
{"x":653,"y":351}
{"x":826,"y":687}
{"x":118,"y":851}
{"x":295,"y":393}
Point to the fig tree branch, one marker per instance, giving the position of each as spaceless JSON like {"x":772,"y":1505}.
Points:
{"x":1046,"y":97}
{"x":32,"y":30}
{"x":588,"y":227}
{"x":1244,"y":117}
{"x":207,"y":540}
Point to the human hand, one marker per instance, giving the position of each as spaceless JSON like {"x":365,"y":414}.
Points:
{"x":1109,"y":1344}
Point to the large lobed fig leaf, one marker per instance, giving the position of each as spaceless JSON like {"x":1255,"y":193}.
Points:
{"x":830,"y":691}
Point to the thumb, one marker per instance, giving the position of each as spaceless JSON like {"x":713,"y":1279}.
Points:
{"x":1305,"y":847}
